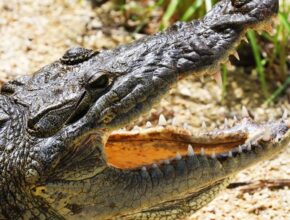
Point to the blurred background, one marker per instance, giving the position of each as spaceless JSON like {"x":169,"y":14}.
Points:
{"x":266,"y":54}
{"x":34,"y":33}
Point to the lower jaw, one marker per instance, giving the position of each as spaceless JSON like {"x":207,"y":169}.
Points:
{"x":144,"y":148}
{"x":154,"y":177}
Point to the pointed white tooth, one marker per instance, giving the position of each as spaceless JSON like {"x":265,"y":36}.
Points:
{"x":162,"y":120}
{"x":144,"y":169}
{"x":136,"y":128}
{"x":278,"y":138}
{"x":230,"y":154}
{"x":213,"y":155}
{"x":236,"y":55}
{"x":155,"y":165}
{"x":226,"y":123}
{"x":235,"y":119}
{"x":246,"y":40}
{"x":122,"y":129}
{"x":202,"y":79}
{"x":240,"y":149}
{"x":187,"y":127}
{"x":202,"y":152}
{"x":287,"y":121}
{"x":167,"y":162}
{"x":245,"y":112}
{"x":249,"y":147}
{"x":267,"y":136}
{"x":178,"y":156}
{"x":218,"y":78}
{"x":203,"y":125}
{"x":190,"y":150}
{"x":174,"y":122}
{"x":148,"y":124}
{"x":285,"y":114}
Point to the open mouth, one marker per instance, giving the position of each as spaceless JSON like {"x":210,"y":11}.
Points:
{"x":164,"y":143}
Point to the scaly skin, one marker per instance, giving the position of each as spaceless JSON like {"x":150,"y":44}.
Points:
{"x":60,"y":160}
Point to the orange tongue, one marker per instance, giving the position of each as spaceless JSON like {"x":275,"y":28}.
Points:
{"x":129,"y":150}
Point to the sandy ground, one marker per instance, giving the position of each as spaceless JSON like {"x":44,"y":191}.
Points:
{"x":34,"y":33}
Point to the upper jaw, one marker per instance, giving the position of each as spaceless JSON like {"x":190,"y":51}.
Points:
{"x":234,"y":14}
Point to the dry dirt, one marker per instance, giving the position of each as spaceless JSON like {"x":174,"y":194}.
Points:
{"x":35,"y":32}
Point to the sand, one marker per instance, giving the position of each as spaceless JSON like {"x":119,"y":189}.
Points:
{"x":34,"y":33}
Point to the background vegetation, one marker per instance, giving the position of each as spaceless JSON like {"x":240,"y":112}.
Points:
{"x":270,"y":52}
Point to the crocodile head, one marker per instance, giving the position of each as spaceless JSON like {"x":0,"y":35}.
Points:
{"x":66,"y":159}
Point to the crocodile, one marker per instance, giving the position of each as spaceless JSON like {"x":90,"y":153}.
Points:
{"x":64,"y":154}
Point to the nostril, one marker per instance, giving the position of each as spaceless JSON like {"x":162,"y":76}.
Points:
{"x":239,"y":3}
{"x":8,"y":89}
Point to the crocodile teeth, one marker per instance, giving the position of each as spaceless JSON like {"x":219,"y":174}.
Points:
{"x":185,"y":126}
{"x":249,"y":147}
{"x":235,"y":119}
{"x":226,"y":123}
{"x":203,"y":125}
{"x":218,"y":78}
{"x":230,"y":154}
{"x":267,"y":135}
{"x":167,"y":162}
{"x":240,"y":149}
{"x":174,"y":122}
{"x":148,"y":124}
{"x":285,"y":114}
{"x":190,"y":151}
{"x":255,"y":136}
{"x":136,"y":128}
{"x":122,"y":129}
{"x":162,"y":120}
{"x":178,"y":156}
{"x":202,"y":152}
{"x":245,"y":112}
{"x":246,"y":40}
{"x":236,"y":55}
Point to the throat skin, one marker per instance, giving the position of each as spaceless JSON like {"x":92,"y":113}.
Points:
{"x":166,"y":189}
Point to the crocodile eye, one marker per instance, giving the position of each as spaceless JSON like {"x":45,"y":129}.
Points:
{"x":100,"y":82}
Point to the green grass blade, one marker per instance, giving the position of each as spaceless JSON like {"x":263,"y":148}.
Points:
{"x":208,"y":5}
{"x":224,"y":71}
{"x":191,"y":10}
{"x":259,"y":62}
{"x":172,"y":7}
{"x":278,"y":91}
{"x":284,"y":21}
